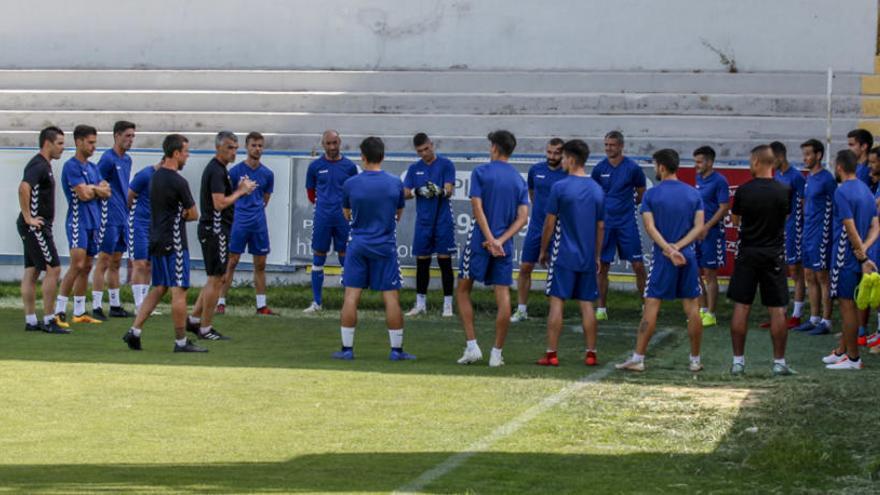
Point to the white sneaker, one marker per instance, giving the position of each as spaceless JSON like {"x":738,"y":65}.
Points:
{"x":417,"y":310}
{"x":471,"y":356}
{"x":692,"y":367}
{"x":833,"y":358}
{"x":496,"y":360}
{"x":519,"y":316}
{"x":313,"y":308}
{"x":631,"y":365}
{"x":845,"y":364}
{"x":447,"y":311}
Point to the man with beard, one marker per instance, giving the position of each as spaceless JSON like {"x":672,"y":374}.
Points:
{"x":794,"y":229}
{"x":715,"y":192}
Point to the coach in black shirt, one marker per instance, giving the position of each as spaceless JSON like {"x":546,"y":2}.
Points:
{"x":759,"y":209}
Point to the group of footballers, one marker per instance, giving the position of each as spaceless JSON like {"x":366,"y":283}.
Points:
{"x":819,"y":230}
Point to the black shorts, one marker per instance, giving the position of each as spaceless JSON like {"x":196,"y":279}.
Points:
{"x":39,"y":246}
{"x":215,"y":249}
{"x":759,"y":267}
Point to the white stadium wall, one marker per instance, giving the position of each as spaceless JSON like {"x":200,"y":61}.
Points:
{"x":758,"y":35}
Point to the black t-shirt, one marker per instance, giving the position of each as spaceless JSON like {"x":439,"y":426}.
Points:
{"x":169,"y":198}
{"x":215,"y":179}
{"x":762,"y":205}
{"x":38,"y":174}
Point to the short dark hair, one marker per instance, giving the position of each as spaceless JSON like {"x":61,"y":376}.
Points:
{"x":846,"y":160}
{"x":875,"y":151}
{"x":578,"y":150}
{"x":49,"y":134}
{"x":816,"y":145}
{"x":556,"y":142}
{"x":253,"y":136}
{"x":172,"y":143}
{"x":505,"y":141}
{"x":668,"y":158}
{"x":373,"y":149}
{"x":862,"y":136}
{"x":83,"y":131}
{"x":122,"y":126}
{"x":778,"y":149}
{"x":706,"y":151}
{"x":420,"y":139}
{"x":615,"y":135}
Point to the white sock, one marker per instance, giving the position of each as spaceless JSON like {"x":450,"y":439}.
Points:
{"x":447,"y":300}
{"x":145,"y":289}
{"x":194,"y":320}
{"x":136,"y":331}
{"x":222,"y":300}
{"x":114,"y":298}
{"x":180,"y":342}
{"x":138,"y":293}
{"x":638,"y":357}
{"x":695,"y":359}
{"x":496,"y":352}
{"x":97,"y":299}
{"x":48,"y":319}
{"x":739,"y":360}
{"x":798,"y":309}
{"x":421,"y":300}
{"x":704,"y":310}
{"x":347,"y":336}
{"x":472,"y":345}
{"x":779,"y":361}
{"x":61,"y":304}
{"x":30,"y":319}
{"x":79,"y":305}
{"x":396,"y":338}
{"x":815,"y":320}
{"x":522,"y":308}
{"x":601,"y":310}
{"x":204,"y":330}
{"x":261,"y":301}
{"x":827,"y":323}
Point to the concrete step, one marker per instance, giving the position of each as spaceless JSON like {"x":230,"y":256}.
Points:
{"x":780,"y":83}
{"x":433,"y":103}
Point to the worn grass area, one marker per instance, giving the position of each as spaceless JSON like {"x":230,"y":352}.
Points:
{"x":269,"y":412}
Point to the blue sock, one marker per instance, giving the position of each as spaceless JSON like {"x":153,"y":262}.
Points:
{"x":318,"y":277}
{"x":862,"y":332}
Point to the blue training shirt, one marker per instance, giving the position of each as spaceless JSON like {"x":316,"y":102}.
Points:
{"x":250,"y":210}
{"x":818,"y":206}
{"x":852,"y":200}
{"x":794,"y":179}
{"x":73,"y":174}
{"x":619,"y":184}
{"x":540,"y":180}
{"x":373,"y":198}
{"x":116,"y":170}
{"x":578,"y":203}
{"x":673,"y":204}
{"x":440,"y":172}
{"x":502,"y":190}
{"x":863,"y":173}
{"x":714,"y":190}
{"x":140,"y":184}
{"x":326,"y":178}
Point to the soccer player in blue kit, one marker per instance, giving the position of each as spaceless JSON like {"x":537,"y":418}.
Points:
{"x":710,"y":246}
{"x":171,"y":206}
{"x":324,"y":180}
{"x":860,"y":142}
{"x":673,"y":213}
{"x":373,"y":201}
{"x":500,"y":202}
{"x":115,"y":168}
{"x":574,"y":220}
{"x":249,"y":226}
{"x":540,"y":179}
{"x":623,"y":182}
{"x":792,"y":177}
{"x":855,"y":230}
{"x":818,"y":209}
{"x":139,"y":232}
{"x":83,"y":188}
{"x":431,"y":181}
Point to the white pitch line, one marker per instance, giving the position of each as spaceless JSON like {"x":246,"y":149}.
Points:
{"x":511,"y":427}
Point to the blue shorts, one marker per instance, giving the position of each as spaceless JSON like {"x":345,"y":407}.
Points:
{"x":80,"y":238}
{"x":817,"y":257}
{"x":844,"y":283}
{"x":569,"y":284}
{"x":325,"y":232}
{"x":256,"y":241}
{"x":113,"y":238}
{"x":624,"y":241}
{"x":485,"y":268}
{"x":139,"y":243}
{"x":532,"y":245}
{"x":667,"y":281}
{"x":434,"y":239}
{"x":793,"y":244}
{"x":365,"y":271}
{"x":171,"y":270}
{"x":710,"y":251}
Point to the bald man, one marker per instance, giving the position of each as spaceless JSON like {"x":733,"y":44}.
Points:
{"x":760,"y":208}
{"x":324,"y":181}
